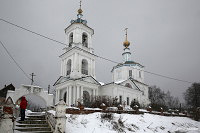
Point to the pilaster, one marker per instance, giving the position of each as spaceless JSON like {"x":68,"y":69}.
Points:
{"x":70,"y":95}
{"x":81,"y":93}
{"x":77,"y":93}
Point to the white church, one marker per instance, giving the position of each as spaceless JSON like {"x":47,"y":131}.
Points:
{"x":78,"y":79}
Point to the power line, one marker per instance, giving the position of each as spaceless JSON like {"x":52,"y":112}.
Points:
{"x":17,"y":64}
{"x":15,"y":61}
{"x":32,"y":31}
{"x":160,"y":75}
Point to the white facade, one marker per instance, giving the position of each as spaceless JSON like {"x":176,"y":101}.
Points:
{"x":78,"y":78}
{"x":30,"y":89}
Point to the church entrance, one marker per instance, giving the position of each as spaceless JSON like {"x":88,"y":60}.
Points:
{"x":86,"y":98}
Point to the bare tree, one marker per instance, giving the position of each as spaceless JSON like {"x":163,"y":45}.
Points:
{"x":160,"y":99}
{"x":192,"y":96}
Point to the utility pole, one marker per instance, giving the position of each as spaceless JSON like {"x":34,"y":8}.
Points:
{"x":32,"y":74}
{"x":48,"y":89}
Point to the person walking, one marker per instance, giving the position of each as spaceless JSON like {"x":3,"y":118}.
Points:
{"x":23,"y":105}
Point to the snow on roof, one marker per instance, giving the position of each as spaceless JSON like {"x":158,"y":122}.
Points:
{"x":120,"y":81}
{"x":52,"y":112}
{"x":101,"y":83}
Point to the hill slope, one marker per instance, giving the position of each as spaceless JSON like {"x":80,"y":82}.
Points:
{"x":147,"y":123}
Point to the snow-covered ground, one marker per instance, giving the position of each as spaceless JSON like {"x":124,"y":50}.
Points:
{"x":146,"y":123}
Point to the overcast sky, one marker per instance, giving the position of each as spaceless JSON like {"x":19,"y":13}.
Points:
{"x":164,"y":36}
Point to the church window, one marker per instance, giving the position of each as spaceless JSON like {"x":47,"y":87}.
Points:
{"x":70,"y":39}
{"x":120,"y":99}
{"x":65,"y":97}
{"x":69,"y":64}
{"x":86,"y":98}
{"x":85,"y":40}
{"x":130,"y":73}
{"x":127,"y":101}
{"x":139,"y":74}
{"x":84,"y":69}
{"x":128,"y":85}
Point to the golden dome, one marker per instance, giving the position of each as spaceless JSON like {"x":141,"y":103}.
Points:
{"x":80,"y":11}
{"x":126,"y":43}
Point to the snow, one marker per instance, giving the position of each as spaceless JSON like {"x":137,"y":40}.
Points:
{"x":120,"y":81}
{"x":27,"y":112}
{"x":143,"y":110}
{"x":146,"y":123}
{"x":69,"y":107}
{"x":52,"y":112}
{"x":92,"y":109}
{"x":101,"y":83}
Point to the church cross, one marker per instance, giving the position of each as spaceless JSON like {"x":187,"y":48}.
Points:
{"x":32,"y":74}
{"x":80,"y":4}
{"x":126,"y":29}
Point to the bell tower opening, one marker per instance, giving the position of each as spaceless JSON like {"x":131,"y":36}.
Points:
{"x":85,"y":39}
{"x":70,"y":39}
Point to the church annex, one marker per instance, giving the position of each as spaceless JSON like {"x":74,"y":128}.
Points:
{"x":78,"y":79}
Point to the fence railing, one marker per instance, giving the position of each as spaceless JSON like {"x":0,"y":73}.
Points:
{"x":51,"y":120}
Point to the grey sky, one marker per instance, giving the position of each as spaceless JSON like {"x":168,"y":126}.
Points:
{"x":164,"y":36}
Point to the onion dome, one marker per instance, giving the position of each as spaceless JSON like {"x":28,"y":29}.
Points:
{"x":126,"y":42}
{"x":80,"y":11}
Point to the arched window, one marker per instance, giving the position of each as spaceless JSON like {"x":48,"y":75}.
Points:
{"x":65,"y":97}
{"x":69,"y":64}
{"x":70,"y":39}
{"x":84,"y":69}
{"x":85,"y":40}
{"x":128,"y":85}
{"x":86,"y":98}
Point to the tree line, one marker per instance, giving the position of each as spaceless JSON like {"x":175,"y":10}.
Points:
{"x":160,"y":99}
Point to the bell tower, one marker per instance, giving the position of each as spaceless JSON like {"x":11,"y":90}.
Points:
{"x":78,"y":60}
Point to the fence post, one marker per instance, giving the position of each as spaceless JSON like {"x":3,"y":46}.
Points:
{"x":60,"y":117}
{"x":7,"y":120}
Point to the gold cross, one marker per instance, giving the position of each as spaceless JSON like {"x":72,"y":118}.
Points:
{"x":126,"y":32}
{"x":80,"y":4}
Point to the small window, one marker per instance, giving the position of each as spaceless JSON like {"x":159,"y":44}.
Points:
{"x":127,"y":100}
{"x":139,"y":74}
{"x":130,"y":73}
{"x":120,"y":99}
{"x":128,"y":85}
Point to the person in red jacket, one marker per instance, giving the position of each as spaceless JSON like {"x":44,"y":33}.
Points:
{"x":23,"y":105}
